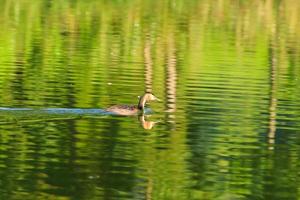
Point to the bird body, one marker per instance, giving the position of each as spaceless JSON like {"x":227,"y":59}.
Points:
{"x":132,"y":109}
{"x":123,"y":109}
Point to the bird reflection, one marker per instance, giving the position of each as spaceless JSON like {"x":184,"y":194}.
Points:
{"x":146,"y":124}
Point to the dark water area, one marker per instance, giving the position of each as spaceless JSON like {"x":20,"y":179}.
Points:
{"x":227,"y":72}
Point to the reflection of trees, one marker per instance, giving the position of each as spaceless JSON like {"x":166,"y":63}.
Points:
{"x":110,"y":166}
{"x":273,"y":100}
{"x":148,"y":65}
{"x":148,"y":124}
{"x":171,"y":79}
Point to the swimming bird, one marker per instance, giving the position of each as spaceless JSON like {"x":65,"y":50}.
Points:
{"x":133,"y":109}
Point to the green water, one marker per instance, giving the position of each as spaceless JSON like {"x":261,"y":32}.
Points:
{"x":228,"y":74}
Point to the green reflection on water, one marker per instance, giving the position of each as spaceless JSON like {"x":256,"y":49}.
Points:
{"x":227,"y":71}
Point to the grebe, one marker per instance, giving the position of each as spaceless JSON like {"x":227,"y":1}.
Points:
{"x":133,"y":109}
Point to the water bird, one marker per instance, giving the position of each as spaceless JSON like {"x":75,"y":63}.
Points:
{"x":133,"y":109}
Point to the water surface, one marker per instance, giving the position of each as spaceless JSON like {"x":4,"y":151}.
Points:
{"x":228,"y":73}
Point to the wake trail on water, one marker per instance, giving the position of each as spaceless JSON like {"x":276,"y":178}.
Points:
{"x":44,"y":114}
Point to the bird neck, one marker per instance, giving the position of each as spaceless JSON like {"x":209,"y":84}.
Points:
{"x":142,"y":102}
